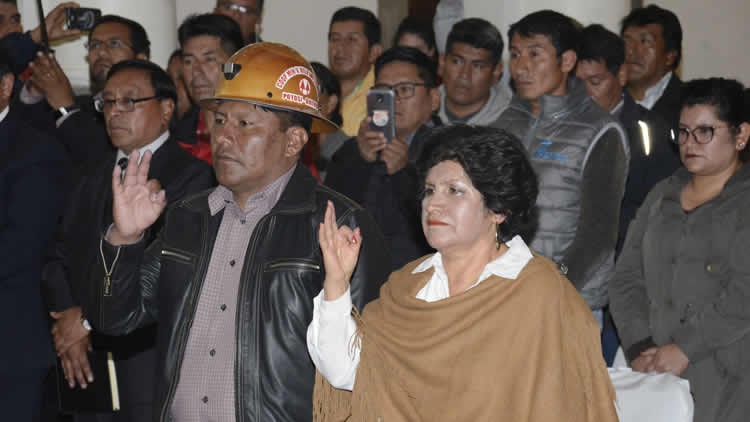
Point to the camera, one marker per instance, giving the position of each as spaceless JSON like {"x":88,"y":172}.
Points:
{"x":81,"y":17}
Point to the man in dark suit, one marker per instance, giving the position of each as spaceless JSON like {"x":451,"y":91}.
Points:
{"x":137,"y":103}
{"x":49,"y":99}
{"x":33,"y":168}
{"x":653,"y":48}
{"x":653,"y":156}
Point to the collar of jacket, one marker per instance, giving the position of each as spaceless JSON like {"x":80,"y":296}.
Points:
{"x":298,"y":196}
{"x":557,"y":106}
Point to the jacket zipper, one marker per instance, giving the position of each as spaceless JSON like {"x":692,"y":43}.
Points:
{"x":249,"y":257}
{"x":174,"y":254}
{"x":188,"y":322}
{"x":294,"y":265}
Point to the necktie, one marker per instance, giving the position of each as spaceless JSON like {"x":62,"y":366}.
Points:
{"x":123,"y":163}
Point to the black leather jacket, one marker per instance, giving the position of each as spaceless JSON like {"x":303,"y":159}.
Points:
{"x":282,"y":272}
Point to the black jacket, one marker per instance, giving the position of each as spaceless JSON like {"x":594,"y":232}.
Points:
{"x":668,"y":105}
{"x":88,"y":215}
{"x":33,"y":171}
{"x":646,"y":169}
{"x":282,"y":273}
{"x":391,"y":199}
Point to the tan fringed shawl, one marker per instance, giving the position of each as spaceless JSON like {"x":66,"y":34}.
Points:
{"x":506,"y":350}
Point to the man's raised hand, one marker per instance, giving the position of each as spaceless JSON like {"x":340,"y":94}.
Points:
{"x":137,"y":201}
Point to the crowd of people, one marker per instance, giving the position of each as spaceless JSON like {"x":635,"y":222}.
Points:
{"x":248,"y":246}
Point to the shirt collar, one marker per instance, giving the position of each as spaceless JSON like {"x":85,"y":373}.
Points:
{"x":4,"y":113}
{"x":655,"y":92}
{"x":507,"y":265}
{"x":616,"y":111}
{"x":153,"y":146}
{"x":222,"y":197}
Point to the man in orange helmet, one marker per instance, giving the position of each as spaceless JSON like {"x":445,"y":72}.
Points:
{"x":232,"y":275}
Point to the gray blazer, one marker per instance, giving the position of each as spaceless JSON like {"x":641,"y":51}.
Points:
{"x":684,"y":278}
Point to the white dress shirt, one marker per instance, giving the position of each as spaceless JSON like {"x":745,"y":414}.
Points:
{"x":153,"y":146}
{"x":330,"y":334}
{"x":655,"y":92}
{"x":4,"y":113}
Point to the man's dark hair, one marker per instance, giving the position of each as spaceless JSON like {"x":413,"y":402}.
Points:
{"x":260,"y":5}
{"x":370,"y":23}
{"x":598,"y":43}
{"x":559,"y":29}
{"x":6,"y":64}
{"x":419,"y":27}
{"x":138,"y":37}
{"x":497,"y":165}
{"x":670,"y":27}
{"x":426,"y":67}
{"x":176,"y":53}
{"x":161,"y":82}
{"x":223,"y":27}
{"x":330,"y":85}
{"x":478,"y":33}
{"x":13,"y":2}
{"x":726,"y":95}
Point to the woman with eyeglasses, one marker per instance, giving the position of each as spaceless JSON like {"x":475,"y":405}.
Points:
{"x":681,"y":294}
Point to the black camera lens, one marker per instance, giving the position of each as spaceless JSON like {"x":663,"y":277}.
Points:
{"x":86,"y":19}
{"x":379,"y":99}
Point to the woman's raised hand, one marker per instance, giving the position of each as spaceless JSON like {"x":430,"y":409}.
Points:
{"x":137,"y":201}
{"x":340,"y":247}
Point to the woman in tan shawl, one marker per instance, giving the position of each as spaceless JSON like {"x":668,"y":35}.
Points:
{"x":482,"y":330}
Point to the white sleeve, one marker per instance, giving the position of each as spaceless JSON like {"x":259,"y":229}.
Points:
{"x":447,"y":13}
{"x":329,"y":340}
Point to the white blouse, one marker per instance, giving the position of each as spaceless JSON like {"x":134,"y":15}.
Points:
{"x":330,"y":334}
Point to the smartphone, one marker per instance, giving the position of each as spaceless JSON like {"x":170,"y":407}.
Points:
{"x":381,"y":108}
{"x":81,"y":18}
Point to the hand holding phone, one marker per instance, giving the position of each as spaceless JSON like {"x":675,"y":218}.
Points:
{"x":380,"y":110}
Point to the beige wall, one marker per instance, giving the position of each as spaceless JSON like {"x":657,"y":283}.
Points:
{"x":715,"y":37}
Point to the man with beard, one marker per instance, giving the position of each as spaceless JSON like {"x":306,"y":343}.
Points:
{"x":207,"y":42}
{"x":111,"y":40}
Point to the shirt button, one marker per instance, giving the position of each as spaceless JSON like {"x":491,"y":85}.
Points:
{"x":231,"y":263}
{"x":205,"y":399}
{"x":212,"y":352}
{"x":223,"y":307}
{"x":709,"y":268}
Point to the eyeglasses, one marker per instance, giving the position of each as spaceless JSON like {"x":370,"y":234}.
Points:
{"x":124,"y":104}
{"x":402,"y":90}
{"x":701,"y":134}
{"x":111,"y":44}
{"x":231,"y":7}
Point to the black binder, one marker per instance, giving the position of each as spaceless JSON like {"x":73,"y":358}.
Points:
{"x":102,"y":395}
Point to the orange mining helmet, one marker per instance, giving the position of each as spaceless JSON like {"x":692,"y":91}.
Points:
{"x":271,"y":75}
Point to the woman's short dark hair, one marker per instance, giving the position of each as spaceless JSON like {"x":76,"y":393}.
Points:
{"x":419,"y":27}
{"x":330,"y":85}
{"x":138,"y":36}
{"x":220,"y":26}
{"x":497,"y":164}
{"x":726,"y":95}
{"x":477,"y":33}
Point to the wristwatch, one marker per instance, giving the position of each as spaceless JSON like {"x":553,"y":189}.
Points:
{"x":86,"y":325}
{"x":64,"y":111}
